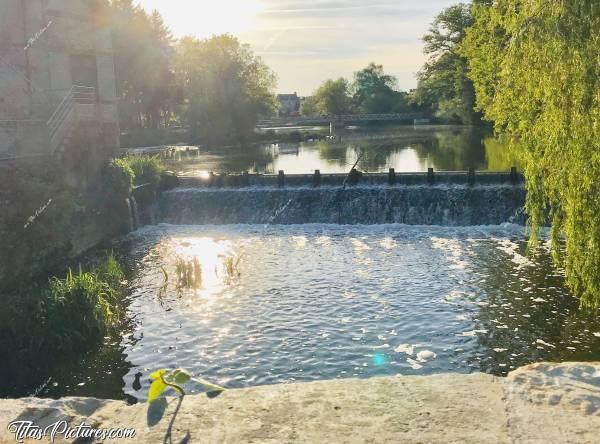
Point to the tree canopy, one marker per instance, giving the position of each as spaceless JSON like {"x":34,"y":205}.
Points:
{"x":372,"y":92}
{"x":332,"y":97}
{"x":216,"y":86}
{"x":444,"y":89}
{"x":225,"y":87}
{"x":143,"y":52}
{"x":376,"y":92}
{"x":536,"y":71}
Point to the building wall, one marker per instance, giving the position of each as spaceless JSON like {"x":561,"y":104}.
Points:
{"x":71,"y":47}
{"x":289,"y":104}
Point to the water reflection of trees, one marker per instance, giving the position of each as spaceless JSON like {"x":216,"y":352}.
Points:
{"x":498,"y":155}
{"x":255,"y":158}
{"x":334,"y":152}
{"x":456,"y":149}
{"x":446,"y":148}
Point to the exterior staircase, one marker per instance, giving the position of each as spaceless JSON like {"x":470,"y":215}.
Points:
{"x":78,"y":105}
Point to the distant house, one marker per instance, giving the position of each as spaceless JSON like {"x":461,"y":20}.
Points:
{"x":57,"y":81}
{"x":289,"y":105}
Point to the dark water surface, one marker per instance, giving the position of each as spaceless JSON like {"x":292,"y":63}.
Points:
{"x":310,"y":302}
{"x":405,"y":148}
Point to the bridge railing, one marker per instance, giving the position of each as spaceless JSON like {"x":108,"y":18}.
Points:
{"x":339,"y":118}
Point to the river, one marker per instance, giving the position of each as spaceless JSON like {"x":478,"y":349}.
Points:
{"x":406,"y":148}
{"x":274,"y":299}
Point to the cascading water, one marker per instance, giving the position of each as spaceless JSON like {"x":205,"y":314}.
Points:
{"x":130,"y":214}
{"x":134,"y":214}
{"x":412,"y":205}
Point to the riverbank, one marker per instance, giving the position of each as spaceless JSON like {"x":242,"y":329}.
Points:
{"x":553,"y":403}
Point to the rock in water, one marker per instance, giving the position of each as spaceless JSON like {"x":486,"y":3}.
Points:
{"x":426,"y":355}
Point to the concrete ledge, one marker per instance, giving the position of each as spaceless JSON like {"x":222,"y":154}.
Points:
{"x":336,"y":180}
{"x":540,"y":403}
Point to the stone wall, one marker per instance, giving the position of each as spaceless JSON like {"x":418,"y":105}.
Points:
{"x":541,"y":403}
{"x":45,"y":222}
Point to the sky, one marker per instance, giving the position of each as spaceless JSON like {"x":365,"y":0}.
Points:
{"x":306,"y":42}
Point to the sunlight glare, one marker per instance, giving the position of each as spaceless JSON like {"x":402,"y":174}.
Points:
{"x":223,"y":16}
{"x":210,"y":254}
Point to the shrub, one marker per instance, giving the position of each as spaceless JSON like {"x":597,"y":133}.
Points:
{"x":147,"y":172}
{"x":119,"y":178}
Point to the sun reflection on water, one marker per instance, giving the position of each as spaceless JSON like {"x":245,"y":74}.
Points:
{"x":217,"y":260}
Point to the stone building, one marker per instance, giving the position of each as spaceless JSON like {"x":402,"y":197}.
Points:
{"x":289,"y":104}
{"x":57,"y":82}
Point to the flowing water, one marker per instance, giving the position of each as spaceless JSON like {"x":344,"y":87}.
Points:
{"x":412,"y":205}
{"x":279,"y":304}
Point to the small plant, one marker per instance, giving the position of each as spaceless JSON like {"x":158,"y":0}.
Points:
{"x":164,"y":379}
{"x":231,"y":265}
{"x":189,"y":273}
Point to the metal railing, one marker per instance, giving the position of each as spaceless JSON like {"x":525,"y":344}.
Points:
{"x":338,"y":118}
{"x":65,"y":113}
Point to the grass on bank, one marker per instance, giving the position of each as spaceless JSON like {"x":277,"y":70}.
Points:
{"x":65,"y":317}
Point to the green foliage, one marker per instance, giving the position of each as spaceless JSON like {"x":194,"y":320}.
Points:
{"x":498,"y":154}
{"x":216,"y":86}
{"x":147,"y":172}
{"x":536,"y":72}
{"x":163,"y":379}
{"x":143,"y":51}
{"x":308,"y":107}
{"x":444,"y":88}
{"x":64,"y":317}
{"x":225,"y":86}
{"x":332,"y":97}
{"x":118,"y":178}
{"x":375,"y":92}
{"x":372,"y":91}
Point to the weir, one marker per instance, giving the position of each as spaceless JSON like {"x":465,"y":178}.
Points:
{"x":449,"y":199}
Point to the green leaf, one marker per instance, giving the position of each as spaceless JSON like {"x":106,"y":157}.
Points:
{"x":211,"y":390}
{"x":179,"y":376}
{"x":156,"y":389}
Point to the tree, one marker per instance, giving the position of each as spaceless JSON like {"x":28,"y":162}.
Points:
{"x":375,"y":92}
{"x":226,"y":88}
{"x":535,"y":68}
{"x":333,"y":97}
{"x":143,"y":50}
{"x":308,"y":106}
{"x":444,"y":88}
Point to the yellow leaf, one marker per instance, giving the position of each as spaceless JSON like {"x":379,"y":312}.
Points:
{"x":156,"y":389}
{"x":157,"y":374}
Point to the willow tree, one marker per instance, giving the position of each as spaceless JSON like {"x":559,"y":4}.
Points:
{"x":535,"y":65}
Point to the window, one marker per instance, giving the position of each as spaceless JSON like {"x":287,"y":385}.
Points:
{"x":84,"y":71}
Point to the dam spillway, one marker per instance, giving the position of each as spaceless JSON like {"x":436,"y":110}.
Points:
{"x":451,"y":199}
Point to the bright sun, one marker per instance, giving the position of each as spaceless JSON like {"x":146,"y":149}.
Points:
{"x":204,"y":18}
